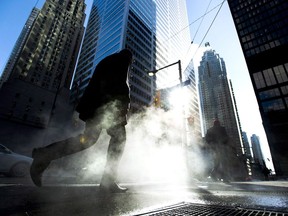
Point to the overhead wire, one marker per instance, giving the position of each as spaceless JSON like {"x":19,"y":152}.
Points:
{"x":201,"y":21}
{"x":194,"y":22}
{"x":198,"y":27}
{"x":221,"y":4}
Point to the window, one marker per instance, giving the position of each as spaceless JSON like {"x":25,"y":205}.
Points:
{"x":259,"y":80}
{"x":280,"y":74}
{"x":269,"y":94}
{"x":284,"y":90}
{"x":273,"y":105}
{"x":269,"y":77}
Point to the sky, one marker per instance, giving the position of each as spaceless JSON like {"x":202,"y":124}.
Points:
{"x":221,"y":35}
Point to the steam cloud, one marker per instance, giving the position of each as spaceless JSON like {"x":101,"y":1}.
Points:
{"x":153,"y":153}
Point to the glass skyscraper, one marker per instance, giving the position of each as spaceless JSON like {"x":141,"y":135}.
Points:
{"x":216,"y":100}
{"x":152,"y":30}
{"x":262,"y":28}
{"x":257,"y":152}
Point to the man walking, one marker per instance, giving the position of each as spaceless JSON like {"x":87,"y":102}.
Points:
{"x":104,"y":105}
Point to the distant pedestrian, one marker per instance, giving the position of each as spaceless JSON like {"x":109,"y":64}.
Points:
{"x":104,"y":105}
{"x":266,"y":172}
{"x":217,"y":140}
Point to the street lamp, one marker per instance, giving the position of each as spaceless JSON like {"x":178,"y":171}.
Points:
{"x":152,"y":73}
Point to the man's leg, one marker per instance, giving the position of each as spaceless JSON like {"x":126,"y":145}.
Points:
{"x":43,"y":156}
{"x":114,"y":155}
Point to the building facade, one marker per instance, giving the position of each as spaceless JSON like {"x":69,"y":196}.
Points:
{"x":192,"y":111}
{"x":18,"y":46}
{"x":246,"y":146}
{"x":257,"y":151}
{"x":216,"y":99}
{"x":42,"y":69}
{"x":144,"y":27}
{"x":262,"y":29}
{"x":34,"y":98}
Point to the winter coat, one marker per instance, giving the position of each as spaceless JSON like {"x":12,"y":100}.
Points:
{"x":108,"y":85}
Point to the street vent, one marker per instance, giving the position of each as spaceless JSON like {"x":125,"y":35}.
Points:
{"x":187,"y":209}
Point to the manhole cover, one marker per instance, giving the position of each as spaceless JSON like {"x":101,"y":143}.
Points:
{"x":184,"y":209}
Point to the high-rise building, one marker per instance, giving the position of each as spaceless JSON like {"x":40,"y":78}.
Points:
{"x":257,"y":151}
{"x":152,"y":30}
{"x":216,"y":98}
{"x":42,"y":67}
{"x":262,"y":29}
{"x":18,"y":46}
{"x":247,"y":153}
{"x":192,"y":106}
{"x":246,"y":146}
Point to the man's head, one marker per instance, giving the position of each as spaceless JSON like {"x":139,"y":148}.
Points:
{"x":127,"y":54}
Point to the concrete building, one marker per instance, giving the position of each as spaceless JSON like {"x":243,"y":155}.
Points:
{"x":18,"y":46}
{"x":262,"y":29}
{"x":36,"y":92}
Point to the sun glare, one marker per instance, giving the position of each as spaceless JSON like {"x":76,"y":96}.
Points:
{"x":177,"y":98}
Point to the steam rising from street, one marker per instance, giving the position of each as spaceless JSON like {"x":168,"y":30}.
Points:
{"x":154,"y":152}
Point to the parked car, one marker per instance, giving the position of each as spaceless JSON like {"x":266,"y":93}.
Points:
{"x":13,"y":164}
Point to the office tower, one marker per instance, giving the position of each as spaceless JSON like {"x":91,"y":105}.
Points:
{"x":18,"y":46}
{"x":247,"y":153}
{"x":257,"y":152}
{"x":192,"y":106}
{"x":216,"y":102}
{"x":152,"y":30}
{"x":262,"y":29}
{"x":41,"y":76}
{"x":215,"y":97}
{"x":246,"y":146}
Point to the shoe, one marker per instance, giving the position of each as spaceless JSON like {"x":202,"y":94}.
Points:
{"x":37,"y":167}
{"x":112,"y":188}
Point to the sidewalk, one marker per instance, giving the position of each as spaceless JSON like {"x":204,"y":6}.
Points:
{"x":57,"y":199}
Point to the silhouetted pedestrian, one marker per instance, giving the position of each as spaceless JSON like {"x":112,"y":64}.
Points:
{"x":217,"y":140}
{"x":104,"y":105}
{"x":266,"y":172}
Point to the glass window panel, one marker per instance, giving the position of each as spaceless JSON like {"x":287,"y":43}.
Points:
{"x":259,"y":80}
{"x":284,"y":89}
{"x":280,"y":74}
{"x":286,"y":67}
{"x":273,"y":105}
{"x":269,"y":77}
{"x":269,"y":94}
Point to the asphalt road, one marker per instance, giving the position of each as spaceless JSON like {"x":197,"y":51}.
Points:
{"x":67,"y":197}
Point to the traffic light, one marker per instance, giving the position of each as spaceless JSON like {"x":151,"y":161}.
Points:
{"x":157,"y":99}
{"x":191,"y":121}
